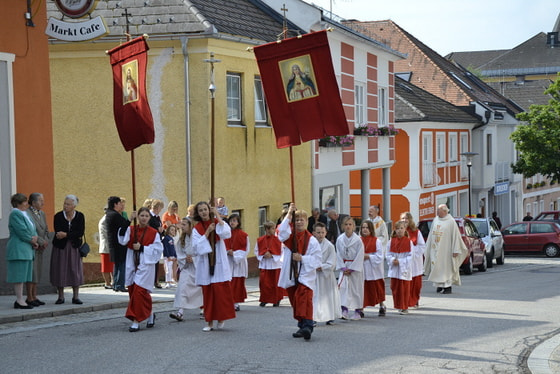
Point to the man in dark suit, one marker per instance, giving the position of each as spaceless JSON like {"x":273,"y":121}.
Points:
{"x":334,"y":225}
{"x":316,"y":216}
{"x":114,"y":222}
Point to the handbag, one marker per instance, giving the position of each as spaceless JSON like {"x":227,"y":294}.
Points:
{"x":84,"y":249}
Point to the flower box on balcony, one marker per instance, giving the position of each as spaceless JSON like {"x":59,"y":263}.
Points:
{"x":368,"y":130}
{"x":337,"y":141}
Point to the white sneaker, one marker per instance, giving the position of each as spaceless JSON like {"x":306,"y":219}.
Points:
{"x":207,"y":328}
{"x":403,"y":311}
{"x":220,"y":325}
{"x":356,"y":316}
{"x":344,"y":314}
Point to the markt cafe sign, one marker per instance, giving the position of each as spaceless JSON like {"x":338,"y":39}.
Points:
{"x":76,"y":31}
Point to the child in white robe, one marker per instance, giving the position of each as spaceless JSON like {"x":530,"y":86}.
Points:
{"x":350,"y":263}
{"x":326,"y":297}
{"x":188,"y":294}
{"x":399,"y":259}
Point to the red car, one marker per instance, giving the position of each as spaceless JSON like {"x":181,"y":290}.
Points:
{"x":533,"y":236}
{"x":471,"y":238}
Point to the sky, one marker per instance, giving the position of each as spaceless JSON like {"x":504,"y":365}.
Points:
{"x":457,"y":25}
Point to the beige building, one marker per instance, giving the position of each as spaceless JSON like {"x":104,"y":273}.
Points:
{"x":250,"y":172}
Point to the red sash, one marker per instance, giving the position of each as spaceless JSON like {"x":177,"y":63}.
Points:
{"x":202,"y":226}
{"x":413,"y":235}
{"x":400,"y":245}
{"x":302,"y":241}
{"x":269,"y":243}
{"x":238,"y":240}
{"x":143,"y":235}
{"x":370,"y":244}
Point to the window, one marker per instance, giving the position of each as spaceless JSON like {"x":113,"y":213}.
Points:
{"x":453,"y":146}
{"x":383,"y":105}
{"x":440,"y":147}
{"x":541,"y":228}
{"x":359,"y":106}
{"x":233,"y":98}
{"x":263,"y":214}
{"x":329,"y":198}
{"x":488,"y":149}
{"x":260,"y":103}
{"x":518,"y":229}
{"x":428,"y":166}
{"x":7,"y":139}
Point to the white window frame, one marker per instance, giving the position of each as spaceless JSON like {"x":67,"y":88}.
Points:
{"x":383,"y":102}
{"x":234,"y":98}
{"x":261,"y":111}
{"x":489,"y":147}
{"x":262,"y":218}
{"x":360,"y":117}
{"x":453,"y":147}
{"x":440,"y":147}
{"x":428,"y":169}
{"x":7,"y":131}
{"x":464,"y":147}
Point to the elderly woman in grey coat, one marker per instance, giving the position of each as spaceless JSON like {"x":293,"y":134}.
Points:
{"x":35,"y":212}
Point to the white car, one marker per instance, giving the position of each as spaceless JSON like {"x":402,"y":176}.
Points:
{"x":492,"y":238}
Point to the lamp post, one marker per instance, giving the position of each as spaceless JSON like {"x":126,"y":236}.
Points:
{"x":469,"y":156}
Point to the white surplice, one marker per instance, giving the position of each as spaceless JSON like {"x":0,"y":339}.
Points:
{"x":309,"y":262}
{"x":374,"y":267}
{"x":188,"y":294}
{"x":350,"y":256}
{"x":326,"y":297}
{"x":201,"y":247}
{"x":145,"y":274}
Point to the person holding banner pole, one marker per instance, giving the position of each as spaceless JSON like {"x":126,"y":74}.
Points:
{"x":302,"y":256}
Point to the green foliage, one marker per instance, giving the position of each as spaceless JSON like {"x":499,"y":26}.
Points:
{"x":538,"y":140}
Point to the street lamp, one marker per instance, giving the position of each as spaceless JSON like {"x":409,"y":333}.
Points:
{"x":469,"y":156}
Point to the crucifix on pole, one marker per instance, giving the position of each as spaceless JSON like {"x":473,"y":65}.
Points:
{"x":212,"y":89}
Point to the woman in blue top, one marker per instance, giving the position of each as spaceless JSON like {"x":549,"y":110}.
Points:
{"x":19,"y":250}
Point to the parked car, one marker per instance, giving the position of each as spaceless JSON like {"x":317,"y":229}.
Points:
{"x":492,"y":238}
{"x":532,"y":236}
{"x":472,"y":239}
{"x":552,"y":215}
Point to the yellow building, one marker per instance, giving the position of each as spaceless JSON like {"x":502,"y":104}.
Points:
{"x":250,"y":172}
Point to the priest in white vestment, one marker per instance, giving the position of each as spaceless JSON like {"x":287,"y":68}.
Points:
{"x":445,"y":252}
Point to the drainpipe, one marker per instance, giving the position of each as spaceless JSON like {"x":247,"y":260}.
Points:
{"x":184,"y":43}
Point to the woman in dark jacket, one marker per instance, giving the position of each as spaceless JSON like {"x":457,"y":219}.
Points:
{"x":66,"y":262}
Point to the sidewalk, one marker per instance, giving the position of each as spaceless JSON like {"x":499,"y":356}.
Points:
{"x":545,"y":358}
{"x":95,"y":298}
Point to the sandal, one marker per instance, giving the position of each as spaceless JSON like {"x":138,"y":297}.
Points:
{"x":176,"y":316}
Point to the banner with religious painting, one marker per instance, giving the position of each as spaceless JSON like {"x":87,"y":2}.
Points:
{"x":131,"y":110}
{"x":301,"y":89}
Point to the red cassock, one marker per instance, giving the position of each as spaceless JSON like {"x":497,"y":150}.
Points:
{"x":268,"y":278}
{"x":374,"y":290}
{"x":140,"y":300}
{"x":400,"y":288}
{"x":416,"y":285}
{"x":237,"y":242}
{"x":301,"y":296}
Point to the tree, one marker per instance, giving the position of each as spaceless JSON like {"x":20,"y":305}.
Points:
{"x":538,"y":141}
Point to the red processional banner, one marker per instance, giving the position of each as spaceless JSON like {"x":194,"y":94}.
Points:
{"x":301,"y":89}
{"x":130,"y":102}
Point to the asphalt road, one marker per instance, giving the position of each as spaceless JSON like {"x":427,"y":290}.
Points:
{"x":488,"y":325}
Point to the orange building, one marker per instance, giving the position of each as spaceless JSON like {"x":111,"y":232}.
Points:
{"x":26,"y":144}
